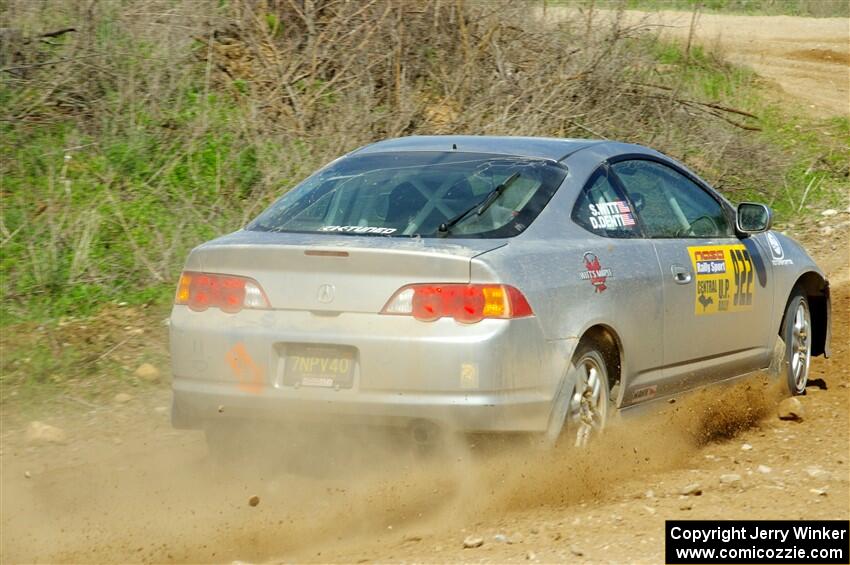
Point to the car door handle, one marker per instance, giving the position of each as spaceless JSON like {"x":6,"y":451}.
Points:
{"x":682,"y":275}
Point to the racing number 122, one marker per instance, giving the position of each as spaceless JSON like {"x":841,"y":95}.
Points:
{"x":742,"y":264}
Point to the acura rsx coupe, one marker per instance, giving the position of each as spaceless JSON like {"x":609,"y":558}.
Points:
{"x":489,"y":284}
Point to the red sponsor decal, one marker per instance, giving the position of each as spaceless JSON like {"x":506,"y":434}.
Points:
{"x":595,"y":273}
{"x":713,"y":255}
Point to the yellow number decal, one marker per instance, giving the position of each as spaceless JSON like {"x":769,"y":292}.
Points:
{"x":724,"y":278}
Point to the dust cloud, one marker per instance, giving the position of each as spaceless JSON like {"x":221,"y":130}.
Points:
{"x":165,"y":499}
{"x":658,"y":440}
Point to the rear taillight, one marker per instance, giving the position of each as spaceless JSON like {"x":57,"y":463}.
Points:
{"x":230,"y":293}
{"x":466,"y":303}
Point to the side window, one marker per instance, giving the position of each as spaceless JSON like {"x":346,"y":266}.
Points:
{"x":601,"y":209}
{"x":669,"y":204}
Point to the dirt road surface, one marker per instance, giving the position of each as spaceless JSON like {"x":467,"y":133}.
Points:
{"x":126,"y":487}
{"x":807,"y":59}
{"x":123,"y":486}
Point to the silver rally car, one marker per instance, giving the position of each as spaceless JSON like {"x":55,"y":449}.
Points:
{"x":489,"y":284}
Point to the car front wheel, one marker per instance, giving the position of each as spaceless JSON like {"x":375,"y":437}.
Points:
{"x":797,"y":333}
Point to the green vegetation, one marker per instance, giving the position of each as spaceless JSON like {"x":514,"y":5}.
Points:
{"x":79,"y":361}
{"x":818,"y":169}
{"x":812,"y":156}
{"x":92,"y":221}
{"x":150,"y":129}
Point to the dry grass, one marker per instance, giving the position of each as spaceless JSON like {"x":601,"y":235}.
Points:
{"x":155,"y":125}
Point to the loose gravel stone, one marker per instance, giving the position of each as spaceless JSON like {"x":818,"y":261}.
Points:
{"x":816,"y":472}
{"x":39,"y":432}
{"x":147,"y":372}
{"x":791,"y":409}
{"x":576,"y":551}
{"x":693,"y":489}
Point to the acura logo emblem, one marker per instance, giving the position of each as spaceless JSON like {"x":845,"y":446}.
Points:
{"x":326,"y":293}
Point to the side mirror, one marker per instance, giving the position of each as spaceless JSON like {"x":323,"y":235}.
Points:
{"x":753,"y":217}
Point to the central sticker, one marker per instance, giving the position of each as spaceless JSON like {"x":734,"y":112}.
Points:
{"x":724,"y":278}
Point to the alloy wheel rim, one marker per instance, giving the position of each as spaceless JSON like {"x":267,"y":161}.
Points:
{"x":801,"y":347}
{"x":588,"y":404}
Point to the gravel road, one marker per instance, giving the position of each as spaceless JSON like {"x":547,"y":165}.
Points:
{"x":807,"y":60}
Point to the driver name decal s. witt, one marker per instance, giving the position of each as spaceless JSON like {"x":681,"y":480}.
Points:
{"x":611,"y":215}
{"x":724,"y":278}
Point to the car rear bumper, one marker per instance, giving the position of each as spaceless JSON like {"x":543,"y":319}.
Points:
{"x":497,"y":375}
{"x":197,"y":404}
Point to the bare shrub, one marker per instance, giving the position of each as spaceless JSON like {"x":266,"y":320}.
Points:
{"x":155,"y":125}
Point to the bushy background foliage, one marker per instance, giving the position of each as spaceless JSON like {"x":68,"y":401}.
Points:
{"x":154,"y":125}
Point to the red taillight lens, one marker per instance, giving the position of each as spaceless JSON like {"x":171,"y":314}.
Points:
{"x":466,"y":303}
{"x":427,"y":303}
{"x":230,"y":293}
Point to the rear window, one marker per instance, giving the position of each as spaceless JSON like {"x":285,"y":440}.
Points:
{"x":410,"y":194}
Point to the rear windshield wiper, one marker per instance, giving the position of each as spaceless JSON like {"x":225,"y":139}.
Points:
{"x":480,"y":207}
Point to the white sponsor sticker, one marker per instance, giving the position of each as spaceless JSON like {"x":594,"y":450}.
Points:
{"x":358,"y":229}
{"x":317,"y":381}
{"x":611,"y":215}
{"x":469,"y":375}
{"x":777,"y":252}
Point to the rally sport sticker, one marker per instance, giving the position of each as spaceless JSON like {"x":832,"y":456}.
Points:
{"x":724,"y":277}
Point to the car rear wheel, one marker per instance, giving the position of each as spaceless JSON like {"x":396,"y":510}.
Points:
{"x":582,"y":415}
{"x":797,"y":334}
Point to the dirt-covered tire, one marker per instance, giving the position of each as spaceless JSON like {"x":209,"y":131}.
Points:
{"x":582,"y":414}
{"x":797,"y":335}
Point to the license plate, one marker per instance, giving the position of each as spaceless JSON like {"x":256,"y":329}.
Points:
{"x":319,"y":366}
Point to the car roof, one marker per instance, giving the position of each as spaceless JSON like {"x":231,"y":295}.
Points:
{"x":552,"y":148}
